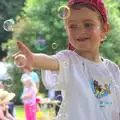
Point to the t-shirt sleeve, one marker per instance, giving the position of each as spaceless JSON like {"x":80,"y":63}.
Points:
{"x":57,"y":79}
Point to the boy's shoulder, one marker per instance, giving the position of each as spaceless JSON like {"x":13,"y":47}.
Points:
{"x":65,"y":52}
{"x":111,"y":65}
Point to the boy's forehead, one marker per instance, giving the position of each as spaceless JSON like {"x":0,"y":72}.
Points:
{"x":83,"y":14}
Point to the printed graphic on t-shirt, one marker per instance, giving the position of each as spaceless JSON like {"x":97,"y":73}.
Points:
{"x":100,"y":91}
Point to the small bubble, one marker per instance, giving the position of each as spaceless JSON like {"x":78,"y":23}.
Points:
{"x":63,"y":116}
{"x":8,"y":25}
{"x":41,"y":45}
{"x":65,"y":64}
{"x":54,"y":46}
{"x":20,"y":60}
{"x":56,"y":52}
{"x":58,"y":99}
{"x":8,"y":82}
{"x":116,"y":88}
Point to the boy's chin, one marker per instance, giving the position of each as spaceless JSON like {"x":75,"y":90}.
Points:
{"x":83,"y":49}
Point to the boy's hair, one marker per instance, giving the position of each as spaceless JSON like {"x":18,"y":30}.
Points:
{"x":81,"y":5}
{"x":97,"y":4}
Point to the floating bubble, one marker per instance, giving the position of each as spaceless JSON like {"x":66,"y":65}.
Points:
{"x":62,"y":116}
{"x":20,"y":60}
{"x":8,"y":82}
{"x":59,"y":99}
{"x":63,"y":12}
{"x":116,"y":88}
{"x":8,"y":25}
{"x":65,"y":64}
{"x":56,"y":52}
{"x":41,"y":45}
{"x":54,"y":45}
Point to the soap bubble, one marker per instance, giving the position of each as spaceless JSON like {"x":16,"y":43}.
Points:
{"x":41,"y":45}
{"x":8,"y":82}
{"x":8,"y":25}
{"x":63,"y":12}
{"x":62,"y":116}
{"x":58,"y":99}
{"x":116,"y":88}
{"x":54,"y":46}
{"x":20,"y":60}
{"x":65,"y":64}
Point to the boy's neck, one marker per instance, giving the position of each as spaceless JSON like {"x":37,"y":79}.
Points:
{"x":92,"y":56}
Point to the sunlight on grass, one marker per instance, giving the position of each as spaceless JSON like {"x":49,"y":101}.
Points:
{"x":20,"y":112}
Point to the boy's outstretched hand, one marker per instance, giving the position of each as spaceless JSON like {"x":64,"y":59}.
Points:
{"x":29,"y":64}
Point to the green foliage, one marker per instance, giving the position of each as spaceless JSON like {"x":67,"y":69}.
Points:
{"x":110,"y":49}
{"x":8,"y":9}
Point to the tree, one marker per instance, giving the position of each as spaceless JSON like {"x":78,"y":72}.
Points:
{"x":8,"y":9}
{"x":110,"y":49}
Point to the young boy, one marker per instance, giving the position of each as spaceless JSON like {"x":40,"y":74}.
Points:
{"x":85,"y":78}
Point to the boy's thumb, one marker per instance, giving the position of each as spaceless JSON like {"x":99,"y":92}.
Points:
{"x":22,"y":47}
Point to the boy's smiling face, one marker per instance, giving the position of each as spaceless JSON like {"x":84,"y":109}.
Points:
{"x":84,"y":29}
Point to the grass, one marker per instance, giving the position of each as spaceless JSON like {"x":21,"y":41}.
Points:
{"x":20,"y":112}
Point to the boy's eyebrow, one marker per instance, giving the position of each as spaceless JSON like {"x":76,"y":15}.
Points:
{"x":73,"y":21}
{"x":88,"y":20}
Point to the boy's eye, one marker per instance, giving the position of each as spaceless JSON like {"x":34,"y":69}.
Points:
{"x":88,"y":25}
{"x":73,"y":26}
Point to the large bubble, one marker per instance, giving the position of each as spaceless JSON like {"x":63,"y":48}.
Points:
{"x":63,"y":12}
{"x":41,"y":45}
{"x":8,"y":25}
{"x":20,"y":60}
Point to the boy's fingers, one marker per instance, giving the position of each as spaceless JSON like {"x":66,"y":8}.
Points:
{"x":22,"y":47}
{"x":16,"y":54}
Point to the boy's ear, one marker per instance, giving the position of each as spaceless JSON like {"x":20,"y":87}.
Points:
{"x":66,"y":29}
{"x":105,"y":30}
{"x":107,"y":27}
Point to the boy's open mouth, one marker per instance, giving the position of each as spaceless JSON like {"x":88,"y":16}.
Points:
{"x":83,"y":39}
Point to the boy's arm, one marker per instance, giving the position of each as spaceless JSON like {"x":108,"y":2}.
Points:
{"x":41,"y":61}
{"x":45,"y":62}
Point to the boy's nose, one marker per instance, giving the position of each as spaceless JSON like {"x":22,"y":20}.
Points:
{"x":81,"y":30}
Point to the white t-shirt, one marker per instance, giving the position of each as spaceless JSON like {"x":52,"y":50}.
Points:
{"x":88,"y":87}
